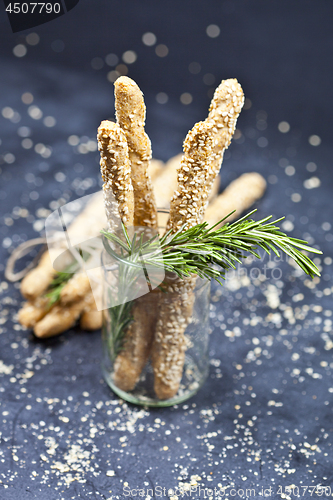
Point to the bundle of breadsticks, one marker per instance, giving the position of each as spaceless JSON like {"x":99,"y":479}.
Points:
{"x":185,"y":184}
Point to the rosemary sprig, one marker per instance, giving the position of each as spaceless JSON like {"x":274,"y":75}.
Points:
{"x":55,"y":287}
{"x":209,"y":252}
{"x":61,"y":278}
{"x":120,"y":318}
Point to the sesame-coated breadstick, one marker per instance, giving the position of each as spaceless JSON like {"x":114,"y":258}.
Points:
{"x":32,"y":312}
{"x":175,"y":307}
{"x":37,"y":281}
{"x":155,"y":168}
{"x":76,"y":288}
{"x":131,"y":115}
{"x":91,"y":320}
{"x":137,"y":342}
{"x":61,"y":318}
{"x":114,"y":159}
{"x":166,"y":182}
{"x":203,"y":152}
{"x":193,"y":174}
{"x":224,"y":110}
{"x":116,"y":173}
{"x":239,"y":196}
{"x":169,"y":343}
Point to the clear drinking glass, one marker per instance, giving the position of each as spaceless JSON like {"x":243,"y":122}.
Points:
{"x":155,"y":340}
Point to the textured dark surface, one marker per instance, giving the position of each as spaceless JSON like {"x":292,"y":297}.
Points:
{"x":264,"y":416}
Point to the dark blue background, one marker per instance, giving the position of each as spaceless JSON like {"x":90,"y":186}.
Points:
{"x":231,"y":432}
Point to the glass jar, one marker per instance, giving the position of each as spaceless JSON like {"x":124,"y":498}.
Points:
{"x":155,"y":345}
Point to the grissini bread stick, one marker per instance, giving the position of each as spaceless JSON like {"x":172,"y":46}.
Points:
{"x":224,"y":110}
{"x":215,"y":189}
{"x":174,"y":312}
{"x":32,"y":312}
{"x":155,"y":168}
{"x":37,"y":281}
{"x":203,"y":152}
{"x":137,"y":338}
{"x":169,"y":343}
{"x":166,"y":182}
{"x":137,"y":342}
{"x":89,"y":222}
{"x":239,"y":195}
{"x":116,"y":173}
{"x":91,"y":320}
{"x":61,"y":318}
{"x":76,"y":288}
{"x":131,"y":115}
{"x":194,"y":172}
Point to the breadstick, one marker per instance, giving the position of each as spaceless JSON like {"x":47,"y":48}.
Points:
{"x":136,"y":339}
{"x":32,"y":312}
{"x":76,"y":288}
{"x":215,"y":189}
{"x":137,"y":342}
{"x":193,"y":174}
{"x":203,"y":152}
{"x":116,"y":173}
{"x":61,"y":318}
{"x":169,"y":344}
{"x":155,"y":168}
{"x":166,"y":182}
{"x":36,"y":282}
{"x":224,"y":110}
{"x":239,"y":196}
{"x":131,"y":114}
{"x":91,"y":320}
{"x":90,"y":221}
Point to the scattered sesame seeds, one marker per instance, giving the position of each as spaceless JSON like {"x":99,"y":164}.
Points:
{"x":149,"y":39}
{"x":213,"y":31}
{"x":27,"y":98}
{"x":129,"y":57}
{"x":314,"y":140}
{"x":290,"y":170}
{"x":35,"y":112}
{"x":162,"y":98}
{"x":312,"y":183}
{"x":32,"y":39}
{"x":49,"y":121}
{"x":284,"y":127}
{"x":20,"y":50}
{"x":186,"y":98}
{"x":296,"y":197}
{"x":161,"y":50}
